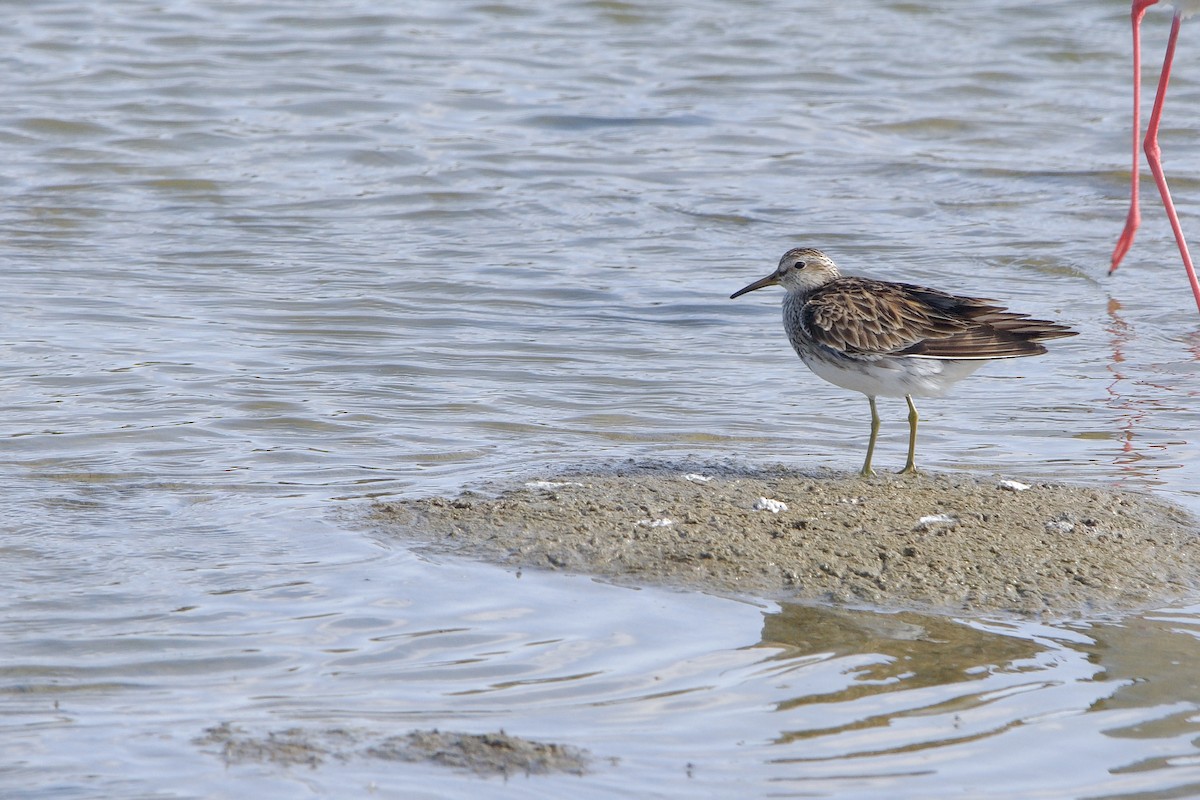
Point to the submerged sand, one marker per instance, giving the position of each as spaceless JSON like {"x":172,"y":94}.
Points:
{"x":943,"y":543}
{"x":485,"y":754}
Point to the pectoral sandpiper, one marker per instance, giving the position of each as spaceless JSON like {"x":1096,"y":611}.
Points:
{"x":893,"y":339}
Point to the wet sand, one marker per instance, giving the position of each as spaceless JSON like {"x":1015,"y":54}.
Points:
{"x":940,"y":543}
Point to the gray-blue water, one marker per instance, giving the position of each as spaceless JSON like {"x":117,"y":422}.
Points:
{"x":263,"y":262}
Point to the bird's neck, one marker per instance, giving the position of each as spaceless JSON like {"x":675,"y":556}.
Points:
{"x":800,"y":295}
{"x":794,"y":300}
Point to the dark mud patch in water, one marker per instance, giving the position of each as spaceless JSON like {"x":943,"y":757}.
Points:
{"x":485,"y":754}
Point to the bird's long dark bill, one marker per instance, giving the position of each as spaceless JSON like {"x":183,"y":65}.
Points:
{"x":770,"y":280}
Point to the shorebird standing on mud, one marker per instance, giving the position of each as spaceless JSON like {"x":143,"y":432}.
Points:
{"x":893,"y":339}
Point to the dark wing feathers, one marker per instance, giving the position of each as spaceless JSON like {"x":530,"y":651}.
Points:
{"x":862,"y":316}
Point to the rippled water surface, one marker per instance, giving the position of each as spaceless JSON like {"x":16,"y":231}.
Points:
{"x":265,"y":262}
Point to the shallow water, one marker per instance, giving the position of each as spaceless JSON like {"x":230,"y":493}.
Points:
{"x":264,"y":262}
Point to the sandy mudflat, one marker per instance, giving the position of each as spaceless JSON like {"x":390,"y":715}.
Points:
{"x":944,"y":543}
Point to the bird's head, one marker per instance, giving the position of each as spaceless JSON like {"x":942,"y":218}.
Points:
{"x":801,"y":269}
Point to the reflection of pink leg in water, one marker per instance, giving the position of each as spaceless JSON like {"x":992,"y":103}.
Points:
{"x":1153,"y":153}
{"x":1139,"y":399}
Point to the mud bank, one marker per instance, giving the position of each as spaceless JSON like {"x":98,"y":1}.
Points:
{"x":943,"y":543}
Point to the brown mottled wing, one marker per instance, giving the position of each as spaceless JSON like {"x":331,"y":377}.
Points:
{"x":864,"y":317}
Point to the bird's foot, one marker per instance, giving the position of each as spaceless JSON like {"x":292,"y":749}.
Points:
{"x":1126,"y":240}
{"x":909,"y":469}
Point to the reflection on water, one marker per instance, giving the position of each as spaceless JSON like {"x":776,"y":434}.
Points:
{"x":1145,"y":393}
{"x":903,"y":696}
{"x":265,"y":261}
{"x":913,"y":650}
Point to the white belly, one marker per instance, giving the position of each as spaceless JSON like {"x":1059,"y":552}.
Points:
{"x":893,"y":377}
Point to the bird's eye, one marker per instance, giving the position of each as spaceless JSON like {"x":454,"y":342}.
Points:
{"x":800,"y":264}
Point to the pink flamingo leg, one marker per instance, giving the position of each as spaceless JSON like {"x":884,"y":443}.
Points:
{"x":1154,"y":156}
{"x":1135,"y":218}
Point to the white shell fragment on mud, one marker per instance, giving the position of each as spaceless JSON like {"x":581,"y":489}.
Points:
{"x":767,"y":504}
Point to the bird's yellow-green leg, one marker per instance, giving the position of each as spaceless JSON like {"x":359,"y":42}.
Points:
{"x":910,"y":468}
{"x":866,"y":470}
